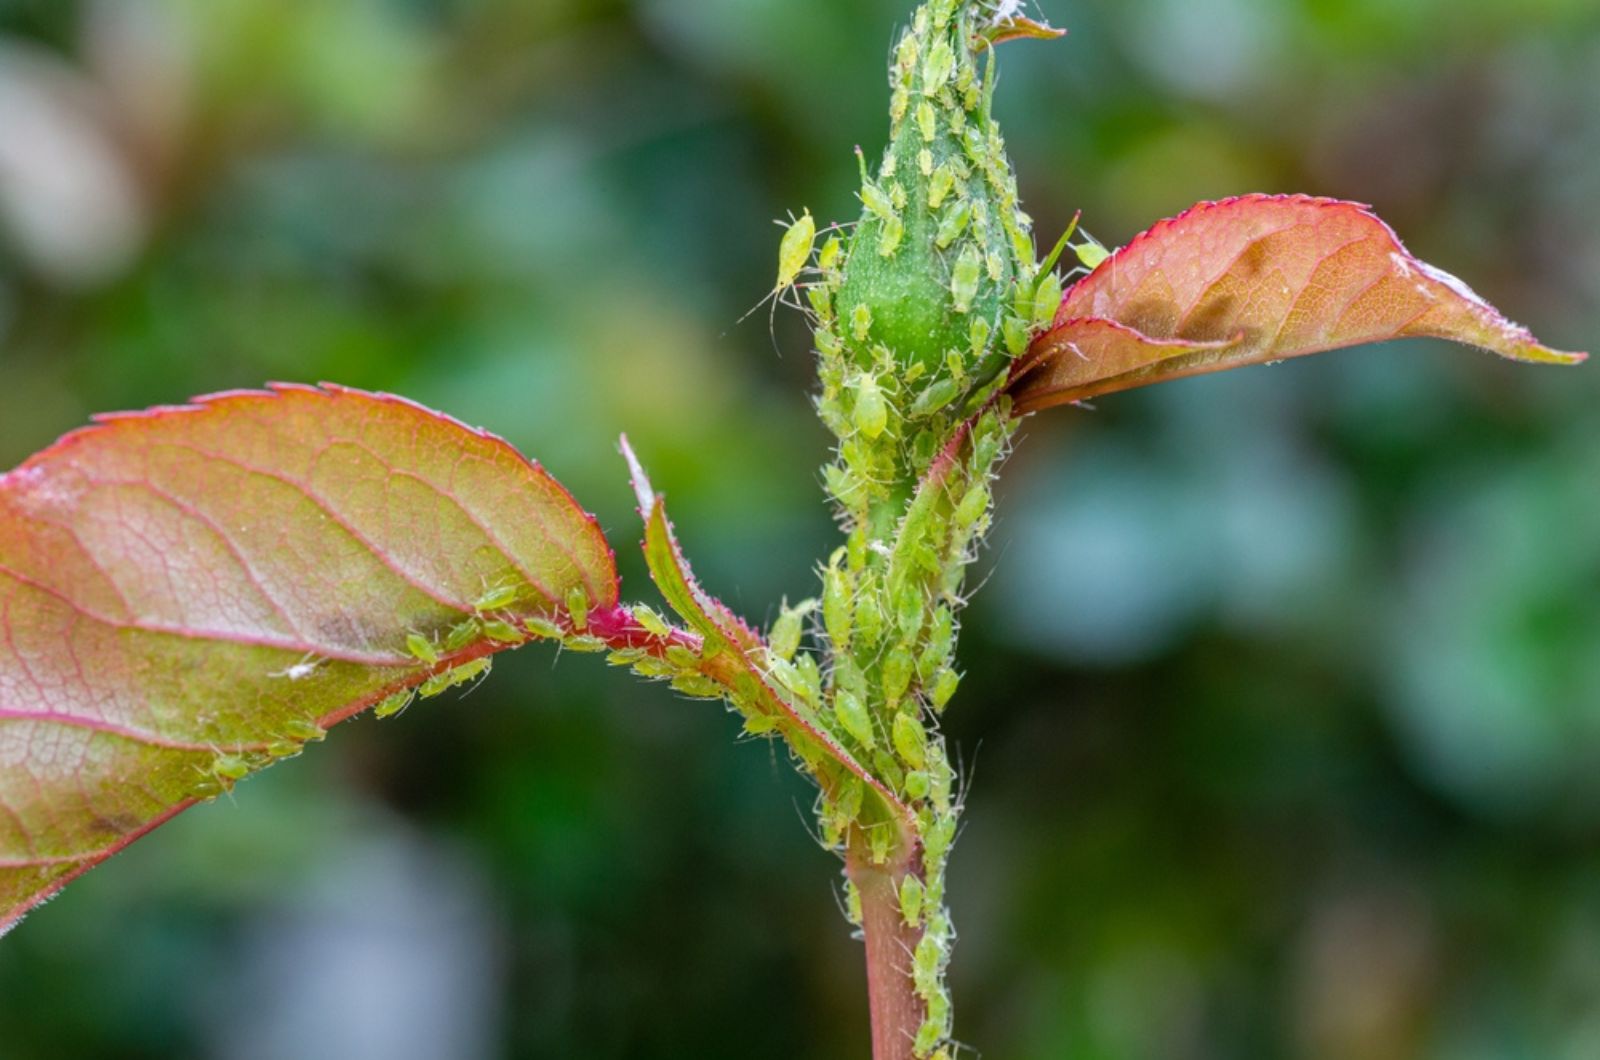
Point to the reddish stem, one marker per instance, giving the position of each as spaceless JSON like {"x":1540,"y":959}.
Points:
{"x":897,"y":1012}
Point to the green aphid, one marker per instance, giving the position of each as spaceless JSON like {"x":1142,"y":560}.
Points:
{"x":853,"y":717}
{"x":577,"y":601}
{"x":543,"y":628}
{"x":828,"y":342}
{"x":878,"y":845}
{"x":871,"y":410}
{"x":435,"y":685}
{"x":852,"y":902}
{"x":784,"y":638}
{"x":498,"y":598}
{"x":828,"y":256}
{"x":626,"y":657}
{"x":894,"y":231}
{"x":761,"y":724}
{"x":836,"y":606}
{"x":934,"y":397}
{"x":973,"y":504}
{"x":794,"y":250}
{"x":230,"y":768}
{"x":848,"y":676}
{"x":584,"y":643}
{"x":851,"y":793}
{"x":956,"y":364}
{"x":392,"y":705}
{"x":965,"y":277}
{"x":861,"y":322}
{"x":691,"y":684}
{"x":461,"y":634}
{"x":856,"y":546}
{"x":810,"y":676}
{"x":1091,"y":253}
{"x":422,"y":649}
{"x":918,"y":784}
{"x":869,"y":614}
{"x":927,"y":960}
{"x":843,"y":486}
{"x":651,"y":621}
{"x":927,"y":121}
{"x":908,"y":610}
{"x":925,"y":163}
{"x":682,"y":657}
{"x":1017,"y":334}
{"x":941,"y":638}
{"x":928,"y":1037}
{"x":938,"y":67}
{"x":877,"y":200}
{"x":905,"y":53}
{"x":469,"y":671}
{"x":937,"y":839}
{"x":304,"y":730}
{"x":940,"y":185}
{"x":978,"y":337}
{"x":953,"y":223}
{"x":503,"y":632}
{"x":284,"y":748}
{"x":943,"y":688}
{"x":895,"y":673}
{"x":1046,"y":300}
{"x":888,"y":768}
{"x":910,"y":739}
{"x":940,"y":779}
{"x":911,"y":895}
{"x":650,"y":666}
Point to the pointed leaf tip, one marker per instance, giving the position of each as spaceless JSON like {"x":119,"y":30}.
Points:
{"x":1247,"y":280}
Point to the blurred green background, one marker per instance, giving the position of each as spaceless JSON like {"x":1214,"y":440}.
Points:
{"x":1283,"y":715}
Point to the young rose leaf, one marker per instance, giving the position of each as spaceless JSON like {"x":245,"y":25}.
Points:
{"x":1248,"y":280}
{"x":736,"y":656}
{"x":188,"y":594}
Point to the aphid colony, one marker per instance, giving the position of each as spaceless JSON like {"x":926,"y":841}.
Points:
{"x":917,"y":313}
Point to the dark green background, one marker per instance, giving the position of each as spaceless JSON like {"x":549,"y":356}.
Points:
{"x":1283,"y":713}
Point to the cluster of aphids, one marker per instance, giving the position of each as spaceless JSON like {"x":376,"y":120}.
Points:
{"x":917,"y":310}
{"x":492,"y":620}
{"x":668,"y":657}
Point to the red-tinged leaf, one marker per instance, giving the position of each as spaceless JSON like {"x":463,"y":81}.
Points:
{"x":188,"y":593}
{"x":735,"y":655}
{"x":1253,"y":279}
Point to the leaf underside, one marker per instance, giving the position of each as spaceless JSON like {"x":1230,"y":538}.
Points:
{"x":189,"y":593}
{"x":1245,"y":281}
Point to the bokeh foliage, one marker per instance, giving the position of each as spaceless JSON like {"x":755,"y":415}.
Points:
{"x":1284,"y":695}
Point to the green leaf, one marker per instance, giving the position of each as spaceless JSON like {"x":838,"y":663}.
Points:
{"x":188,"y":594}
{"x":1248,"y":280}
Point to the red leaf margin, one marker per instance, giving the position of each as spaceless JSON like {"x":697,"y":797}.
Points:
{"x":75,"y":452}
{"x":1127,"y":325}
